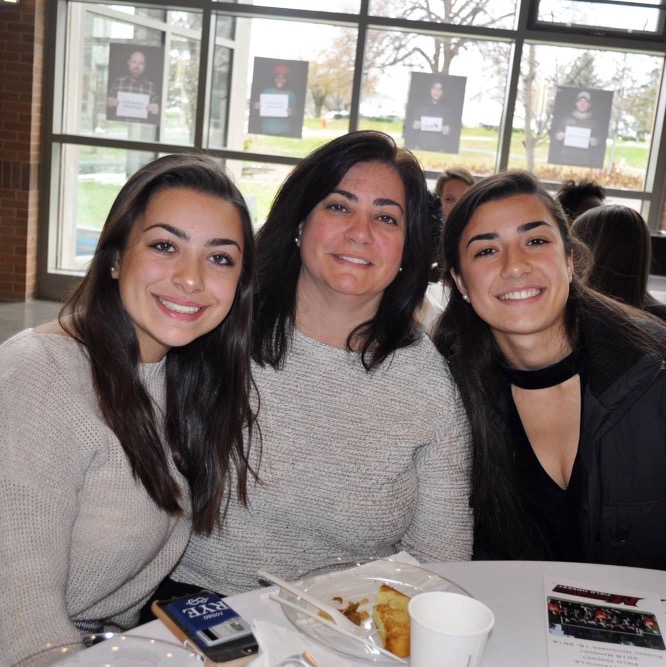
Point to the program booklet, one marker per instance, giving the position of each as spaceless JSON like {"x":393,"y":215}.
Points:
{"x":603,"y":628}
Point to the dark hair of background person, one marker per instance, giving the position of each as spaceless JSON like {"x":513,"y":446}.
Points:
{"x":475,"y":359}
{"x":576,"y":198}
{"x":208,"y":381}
{"x":279,"y":259}
{"x":621,"y":247}
{"x":453,"y":174}
{"x":435,"y":223}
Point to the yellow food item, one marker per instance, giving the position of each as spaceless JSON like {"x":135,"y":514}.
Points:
{"x":392,"y":620}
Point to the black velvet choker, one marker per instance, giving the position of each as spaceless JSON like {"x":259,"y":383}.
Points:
{"x":543,"y":378}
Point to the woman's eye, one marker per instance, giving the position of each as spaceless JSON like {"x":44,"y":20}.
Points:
{"x":484,"y":252}
{"x":222,"y":260}
{"x":538,"y":241}
{"x":163,"y":246}
{"x":336,"y":207}
{"x":389,"y":219}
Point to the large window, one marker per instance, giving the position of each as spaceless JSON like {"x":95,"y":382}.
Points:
{"x":567,"y":89}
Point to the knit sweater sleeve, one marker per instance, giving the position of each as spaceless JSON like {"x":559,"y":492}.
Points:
{"x":441,"y":526}
{"x":80,"y":538}
{"x":41,"y":472}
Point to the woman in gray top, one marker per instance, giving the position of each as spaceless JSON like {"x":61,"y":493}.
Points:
{"x":122,"y":423}
{"x":365,"y":443}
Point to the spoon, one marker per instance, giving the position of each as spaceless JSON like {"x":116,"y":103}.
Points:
{"x":336,"y":615}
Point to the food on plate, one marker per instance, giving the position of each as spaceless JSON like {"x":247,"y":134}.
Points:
{"x":392,"y":620}
{"x":351,"y":611}
{"x":353,"y":614}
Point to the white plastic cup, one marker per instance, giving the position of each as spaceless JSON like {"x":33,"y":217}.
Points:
{"x":448,"y":629}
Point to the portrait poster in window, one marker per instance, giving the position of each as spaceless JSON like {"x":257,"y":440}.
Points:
{"x":433,"y":117}
{"x":581,"y":117}
{"x":134,"y":92}
{"x":277,"y":97}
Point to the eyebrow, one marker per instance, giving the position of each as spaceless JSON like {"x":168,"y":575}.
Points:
{"x":380,"y":201}
{"x":179,"y":233}
{"x":525,"y":227}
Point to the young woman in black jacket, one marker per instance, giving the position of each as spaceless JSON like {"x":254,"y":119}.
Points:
{"x":565,"y":389}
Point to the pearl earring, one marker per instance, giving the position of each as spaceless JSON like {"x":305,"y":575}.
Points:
{"x":465,"y":298}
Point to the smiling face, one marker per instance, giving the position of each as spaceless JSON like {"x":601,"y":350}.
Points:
{"x":436,"y":91}
{"x":516,"y":272}
{"x":178,"y":274}
{"x":352,"y":241}
{"x":451,"y":193}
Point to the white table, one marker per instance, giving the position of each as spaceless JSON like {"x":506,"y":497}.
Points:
{"x":512,"y":589}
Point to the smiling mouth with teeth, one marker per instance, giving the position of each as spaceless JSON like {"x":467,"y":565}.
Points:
{"x":185,"y":310}
{"x":354,"y":260}
{"x":519,"y":296}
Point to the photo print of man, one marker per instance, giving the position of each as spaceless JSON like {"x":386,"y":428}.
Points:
{"x":581,"y":118}
{"x":135,"y":83}
{"x":433,"y":118}
{"x":277,"y":98}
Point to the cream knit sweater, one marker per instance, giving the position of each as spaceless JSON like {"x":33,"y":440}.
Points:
{"x":80,"y":539}
{"x":353,"y":464}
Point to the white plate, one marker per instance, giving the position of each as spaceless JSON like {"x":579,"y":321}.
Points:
{"x":357,"y":581}
{"x":118,"y":650}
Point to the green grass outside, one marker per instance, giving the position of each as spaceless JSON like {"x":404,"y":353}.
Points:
{"x":478,"y":147}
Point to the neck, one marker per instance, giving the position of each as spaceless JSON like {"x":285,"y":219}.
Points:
{"x":330,"y":318}
{"x":533,"y":352}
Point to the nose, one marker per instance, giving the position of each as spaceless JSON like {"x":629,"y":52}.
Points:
{"x":189,"y":276}
{"x":359,"y":229}
{"x":516,"y":263}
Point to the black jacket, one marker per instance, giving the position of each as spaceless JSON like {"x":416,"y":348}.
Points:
{"x":622,"y":451}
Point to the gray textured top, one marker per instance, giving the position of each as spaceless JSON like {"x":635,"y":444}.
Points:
{"x":353,"y":464}
{"x":80,"y":539}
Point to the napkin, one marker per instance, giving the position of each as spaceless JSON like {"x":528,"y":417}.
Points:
{"x":277,"y":643}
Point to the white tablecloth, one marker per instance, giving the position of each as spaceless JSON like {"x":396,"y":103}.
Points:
{"x":512,"y":589}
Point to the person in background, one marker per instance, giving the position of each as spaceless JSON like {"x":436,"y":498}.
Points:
{"x":431,"y":122}
{"x":565,"y":388}
{"x":448,"y":189}
{"x":576,"y":198}
{"x":365,"y":444}
{"x":123,"y":421}
{"x":621,"y":248}
{"x":581,"y":120}
{"x":279,"y":125}
{"x":135,"y":82}
{"x":450,"y":186}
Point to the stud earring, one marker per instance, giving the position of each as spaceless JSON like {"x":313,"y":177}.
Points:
{"x":400,"y":269}
{"x":465,"y":298}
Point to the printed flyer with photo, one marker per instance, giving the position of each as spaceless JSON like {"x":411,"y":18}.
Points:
{"x":603,"y":628}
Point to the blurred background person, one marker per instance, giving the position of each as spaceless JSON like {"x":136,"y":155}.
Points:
{"x":450,"y":186}
{"x":564,"y":387}
{"x":576,"y":198}
{"x":365,"y":444}
{"x":621,"y":249}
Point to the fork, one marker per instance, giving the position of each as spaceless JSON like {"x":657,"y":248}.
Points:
{"x":306,"y":659}
{"x":335,"y":615}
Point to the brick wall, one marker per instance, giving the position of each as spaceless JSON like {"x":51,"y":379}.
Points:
{"x":21,"y":66}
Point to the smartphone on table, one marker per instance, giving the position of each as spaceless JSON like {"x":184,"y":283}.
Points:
{"x":207,"y":624}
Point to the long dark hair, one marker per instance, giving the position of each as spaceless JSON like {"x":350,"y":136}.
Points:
{"x":208,"y":382}
{"x":622,"y":250}
{"x":474,"y":357}
{"x":279,"y":259}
